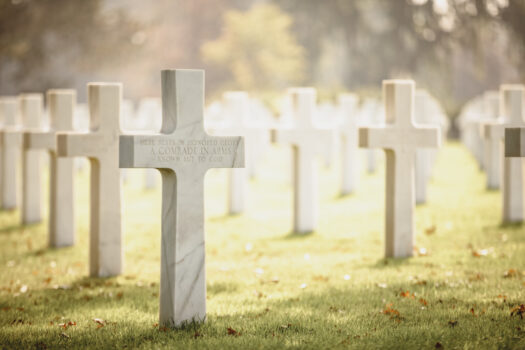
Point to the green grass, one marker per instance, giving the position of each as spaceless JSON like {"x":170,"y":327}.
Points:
{"x":256,"y":270}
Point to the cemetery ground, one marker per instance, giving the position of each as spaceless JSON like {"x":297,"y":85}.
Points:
{"x":268,"y":288}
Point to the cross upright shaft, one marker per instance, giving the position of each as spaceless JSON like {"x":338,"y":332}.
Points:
{"x":10,"y":143}
{"x":183,"y":152}
{"x":512,"y":112}
{"x":61,"y":199}
{"x":31,"y":106}
{"x":100,"y":145}
{"x":400,"y":138}
{"x":305,"y":140}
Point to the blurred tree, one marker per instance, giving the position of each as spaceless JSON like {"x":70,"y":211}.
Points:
{"x":49,"y":43}
{"x":454,"y":48}
{"x":256,"y":50}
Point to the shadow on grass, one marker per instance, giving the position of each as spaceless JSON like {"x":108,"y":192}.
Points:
{"x":511,"y":225}
{"x":342,"y":196}
{"x":224,"y":217}
{"x":12,"y":228}
{"x":327,"y":316}
{"x":392,"y":262}
{"x":297,"y":235}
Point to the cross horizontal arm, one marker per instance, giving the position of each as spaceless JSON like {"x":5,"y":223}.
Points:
{"x":11,"y":137}
{"x":39,"y":140}
{"x":493,"y":130}
{"x":391,"y":137}
{"x":168,"y":152}
{"x":82,"y":144}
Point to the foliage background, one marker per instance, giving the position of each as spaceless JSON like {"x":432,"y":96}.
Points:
{"x":454,"y":48}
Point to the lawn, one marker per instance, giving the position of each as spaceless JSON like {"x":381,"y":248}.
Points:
{"x":268,"y":288}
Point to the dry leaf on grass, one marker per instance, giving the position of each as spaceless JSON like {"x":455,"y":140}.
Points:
{"x":510,"y":273}
{"x":406,"y":295}
{"x":67,"y":325}
{"x":100,"y":322}
{"x":430,"y":230}
{"x":518,"y":311}
{"x":233,"y":332}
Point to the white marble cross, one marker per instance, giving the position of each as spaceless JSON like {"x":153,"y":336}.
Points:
{"x":237,"y":108}
{"x":183,"y":153}
{"x":512,"y":114}
{"x":61,"y":215}
{"x":307,"y":140}
{"x":423,"y":156}
{"x":492,"y":147}
{"x":31,"y":106}
{"x":10,"y":147}
{"x":349,"y":145}
{"x":148,"y":119}
{"x":371,"y":114}
{"x":400,"y":139}
{"x":101,"y":146}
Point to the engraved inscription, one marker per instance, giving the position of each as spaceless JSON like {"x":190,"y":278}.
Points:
{"x":188,"y":151}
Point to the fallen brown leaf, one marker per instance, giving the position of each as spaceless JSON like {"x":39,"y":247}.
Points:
{"x":321,"y":278}
{"x":232,"y":331}
{"x":67,"y":325}
{"x":430,"y":230}
{"x":407,"y":295}
{"x":100,"y":322}
{"x":510,"y":273}
{"x":389,"y":310}
{"x":518,"y":310}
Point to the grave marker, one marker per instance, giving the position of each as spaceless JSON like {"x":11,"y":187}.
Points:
{"x":183,"y":153}
{"x":10,"y":148}
{"x":31,"y":106}
{"x":511,"y":111}
{"x":101,"y":146}
{"x":400,"y":139}
{"x":492,"y":147}
{"x":350,"y":156}
{"x":61,"y":216}
{"x":306,"y":141}
{"x":237,"y":108}
{"x":423,"y":156}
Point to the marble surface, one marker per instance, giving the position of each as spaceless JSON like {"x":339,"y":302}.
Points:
{"x":183,"y":152}
{"x":31,"y":106}
{"x":512,"y":110}
{"x":101,"y":146}
{"x":492,"y":148}
{"x":423,"y":155}
{"x":61,"y":223}
{"x":10,"y":151}
{"x":307,"y":141}
{"x":348,"y":104}
{"x":400,"y":138}
{"x":511,"y":115}
{"x":236,"y":109}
